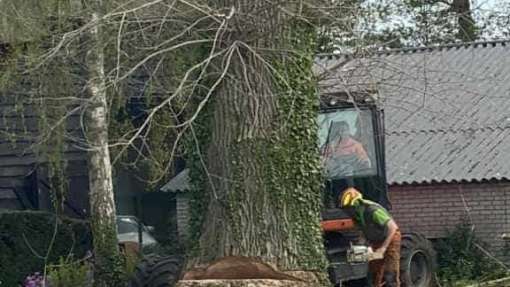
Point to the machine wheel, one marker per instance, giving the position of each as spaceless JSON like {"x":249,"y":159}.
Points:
{"x":417,"y":261}
{"x":157,"y":271}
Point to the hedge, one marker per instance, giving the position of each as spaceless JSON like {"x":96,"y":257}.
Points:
{"x":25,"y":237}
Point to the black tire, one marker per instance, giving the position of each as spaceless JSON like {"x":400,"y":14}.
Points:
{"x":417,"y":261}
{"x":157,"y":271}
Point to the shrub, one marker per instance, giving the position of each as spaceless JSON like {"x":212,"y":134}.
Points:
{"x":68,"y":273}
{"x":25,"y":237}
{"x":460,"y":259}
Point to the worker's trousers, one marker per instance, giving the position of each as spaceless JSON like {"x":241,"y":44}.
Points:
{"x":387,"y":270}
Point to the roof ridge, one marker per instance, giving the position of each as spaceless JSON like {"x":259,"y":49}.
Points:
{"x":450,"y":130}
{"x":472,"y":179}
{"x":411,"y":50}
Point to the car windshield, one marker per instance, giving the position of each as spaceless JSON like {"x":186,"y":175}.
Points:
{"x":126,"y":225}
{"x":346,"y":141}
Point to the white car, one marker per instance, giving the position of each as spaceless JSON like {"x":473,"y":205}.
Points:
{"x":127,"y":231}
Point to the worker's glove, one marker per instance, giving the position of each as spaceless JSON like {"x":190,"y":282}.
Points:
{"x":375,"y":255}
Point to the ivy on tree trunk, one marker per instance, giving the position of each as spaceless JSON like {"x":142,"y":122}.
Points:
{"x":257,"y":162}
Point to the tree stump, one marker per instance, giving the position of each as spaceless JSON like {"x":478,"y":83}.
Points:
{"x":243,"y":283}
{"x":310,"y":279}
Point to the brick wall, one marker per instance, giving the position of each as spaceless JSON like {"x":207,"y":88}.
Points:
{"x":435,"y":208}
{"x":182,"y":206}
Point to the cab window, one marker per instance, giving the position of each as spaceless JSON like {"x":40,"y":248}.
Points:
{"x":347,"y":145}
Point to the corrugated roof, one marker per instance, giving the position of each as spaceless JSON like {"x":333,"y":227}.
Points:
{"x":447,"y":108}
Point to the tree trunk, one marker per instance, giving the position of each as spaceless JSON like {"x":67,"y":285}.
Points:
{"x":467,"y":28}
{"x":262,"y":165}
{"x":102,"y":206}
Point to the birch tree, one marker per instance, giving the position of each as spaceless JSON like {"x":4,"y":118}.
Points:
{"x":108,"y":267}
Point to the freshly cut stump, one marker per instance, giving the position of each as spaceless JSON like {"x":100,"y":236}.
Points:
{"x":238,"y":271}
{"x":245,"y":283}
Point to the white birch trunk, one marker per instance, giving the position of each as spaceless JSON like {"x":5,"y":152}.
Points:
{"x":102,"y":204}
{"x":100,"y":169}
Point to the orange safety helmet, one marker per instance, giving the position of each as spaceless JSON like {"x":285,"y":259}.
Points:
{"x":349,"y":197}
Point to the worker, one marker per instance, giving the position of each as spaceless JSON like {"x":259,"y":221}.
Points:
{"x":347,"y":156}
{"x":382,"y":234}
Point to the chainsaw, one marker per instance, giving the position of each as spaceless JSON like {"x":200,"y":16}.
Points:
{"x":361,"y":254}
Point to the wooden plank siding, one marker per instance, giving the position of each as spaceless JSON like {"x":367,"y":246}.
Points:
{"x":22,"y":168}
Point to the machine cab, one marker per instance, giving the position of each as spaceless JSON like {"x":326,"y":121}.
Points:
{"x":351,"y":144}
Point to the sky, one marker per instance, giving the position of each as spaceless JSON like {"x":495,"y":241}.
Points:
{"x":487,"y":4}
